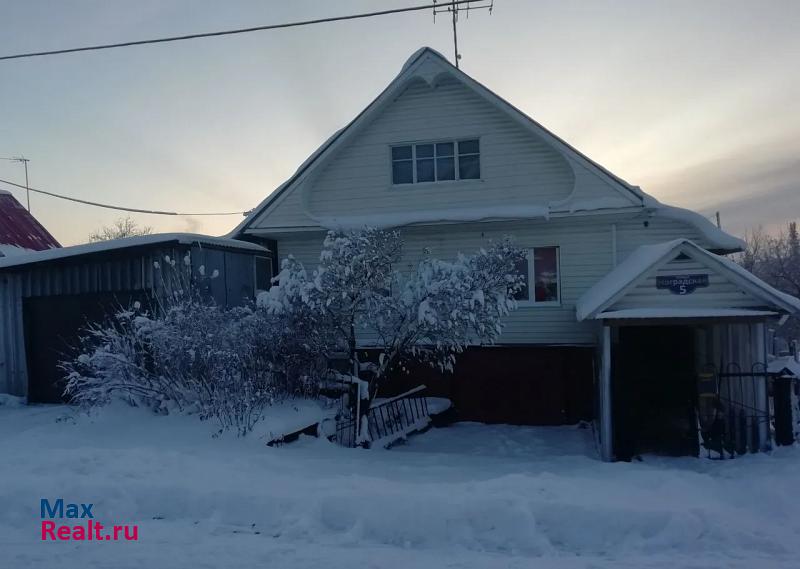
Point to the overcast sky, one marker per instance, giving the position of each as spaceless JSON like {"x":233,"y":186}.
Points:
{"x":696,"y":102}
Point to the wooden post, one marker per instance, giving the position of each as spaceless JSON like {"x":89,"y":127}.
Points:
{"x":606,"y":430}
{"x":762,"y":397}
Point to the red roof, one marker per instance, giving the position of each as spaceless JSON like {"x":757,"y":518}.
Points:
{"x":20,"y":229}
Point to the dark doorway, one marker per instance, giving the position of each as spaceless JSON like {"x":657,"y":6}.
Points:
{"x":655,"y":391}
{"x":52,"y":330}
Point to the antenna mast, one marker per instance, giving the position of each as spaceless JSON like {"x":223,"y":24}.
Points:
{"x":24,"y":161}
{"x":454,"y":9}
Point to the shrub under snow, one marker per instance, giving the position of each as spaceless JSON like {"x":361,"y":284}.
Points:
{"x":193,"y":357}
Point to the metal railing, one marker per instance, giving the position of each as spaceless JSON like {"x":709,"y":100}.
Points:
{"x":391,"y":418}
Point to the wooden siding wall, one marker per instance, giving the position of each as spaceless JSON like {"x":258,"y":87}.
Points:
{"x":720,"y":292}
{"x":545,"y":385}
{"x":585,"y":250}
{"x":518,"y":169}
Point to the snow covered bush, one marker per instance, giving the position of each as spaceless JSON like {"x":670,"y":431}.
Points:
{"x":429,"y":314}
{"x":194,"y":357}
{"x":189,"y":355}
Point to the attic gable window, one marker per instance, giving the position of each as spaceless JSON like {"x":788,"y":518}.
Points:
{"x":436,"y":162}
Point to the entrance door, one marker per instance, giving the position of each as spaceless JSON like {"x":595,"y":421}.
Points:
{"x":53,"y":326}
{"x":654,"y":391}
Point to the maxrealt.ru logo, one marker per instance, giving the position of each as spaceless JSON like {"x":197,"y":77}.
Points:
{"x":90,"y":530}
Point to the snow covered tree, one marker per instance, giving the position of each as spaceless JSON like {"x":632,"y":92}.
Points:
{"x":430,"y":314}
{"x":444,"y":306}
{"x":354,"y":275}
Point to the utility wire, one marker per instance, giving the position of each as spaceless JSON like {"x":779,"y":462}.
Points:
{"x":453,"y":3}
{"x":120,"y":208}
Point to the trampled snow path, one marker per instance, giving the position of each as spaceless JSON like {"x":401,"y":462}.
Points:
{"x":464,"y":497}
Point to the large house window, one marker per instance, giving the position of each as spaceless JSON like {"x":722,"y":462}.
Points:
{"x":436,"y":161}
{"x":540,"y":269}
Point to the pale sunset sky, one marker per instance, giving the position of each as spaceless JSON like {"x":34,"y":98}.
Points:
{"x":696,"y":102}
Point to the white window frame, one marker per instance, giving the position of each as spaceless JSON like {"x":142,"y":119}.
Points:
{"x":456,"y":172}
{"x":531,"y":300}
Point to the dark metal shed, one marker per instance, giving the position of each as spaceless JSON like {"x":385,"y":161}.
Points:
{"x":46,"y":297}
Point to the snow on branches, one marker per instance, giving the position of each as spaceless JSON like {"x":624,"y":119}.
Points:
{"x":444,"y":306}
{"x":429,"y":314}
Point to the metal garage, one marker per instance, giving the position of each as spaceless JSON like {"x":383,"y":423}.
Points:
{"x":46,"y":297}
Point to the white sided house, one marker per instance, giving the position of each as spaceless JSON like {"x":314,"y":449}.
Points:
{"x":632,"y":317}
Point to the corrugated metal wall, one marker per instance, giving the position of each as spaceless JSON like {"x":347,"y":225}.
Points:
{"x":121,"y":272}
{"x":80,"y":276}
{"x":13,"y":372}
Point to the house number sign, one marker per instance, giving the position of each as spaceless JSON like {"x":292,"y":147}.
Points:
{"x":682,"y":284}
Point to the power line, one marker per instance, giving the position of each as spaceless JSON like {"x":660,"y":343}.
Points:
{"x":120,"y":208}
{"x":453,"y":3}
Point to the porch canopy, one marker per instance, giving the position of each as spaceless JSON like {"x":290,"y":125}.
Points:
{"x":679,"y":321}
{"x":680,"y":279}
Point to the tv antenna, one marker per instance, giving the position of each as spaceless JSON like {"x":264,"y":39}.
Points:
{"x":454,"y":10}
{"x":24,"y":161}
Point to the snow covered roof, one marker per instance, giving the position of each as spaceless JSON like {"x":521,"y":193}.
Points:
{"x":20,"y":229}
{"x":635,"y":267}
{"x":635,"y":313}
{"x":12,"y":250}
{"x":723,"y":241}
{"x":784,"y":363}
{"x":126,"y":243}
{"x":387,"y":220}
{"x":629,"y":196}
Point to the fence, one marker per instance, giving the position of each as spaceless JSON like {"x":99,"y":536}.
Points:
{"x":734,"y":409}
{"x":386,"y":421}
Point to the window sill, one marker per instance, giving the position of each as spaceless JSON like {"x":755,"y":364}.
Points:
{"x":533,"y":304}
{"x":443,"y":183}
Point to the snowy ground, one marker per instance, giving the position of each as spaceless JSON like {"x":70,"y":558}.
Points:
{"x":467,"y":496}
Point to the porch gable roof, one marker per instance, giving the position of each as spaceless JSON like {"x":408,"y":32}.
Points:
{"x":646,"y":260}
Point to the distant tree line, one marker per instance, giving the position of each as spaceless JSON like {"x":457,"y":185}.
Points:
{"x":775,"y":258}
{"x":122,"y":227}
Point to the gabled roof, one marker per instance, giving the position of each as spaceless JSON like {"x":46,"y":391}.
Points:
{"x":127,"y":243}
{"x":646,"y":258}
{"x":19,"y":229}
{"x":786,"y":365}
{"x":632,"y":194}
{"x":629,"y":196}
